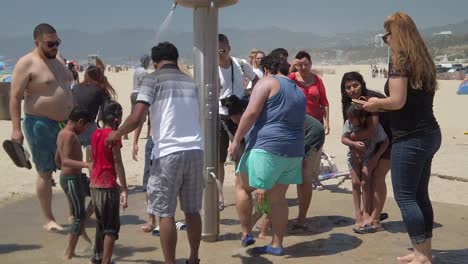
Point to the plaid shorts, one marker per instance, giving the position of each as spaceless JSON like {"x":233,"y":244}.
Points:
{"x":179,"y":174}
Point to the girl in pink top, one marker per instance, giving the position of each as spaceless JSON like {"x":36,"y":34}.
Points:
{"x":313,"y":88}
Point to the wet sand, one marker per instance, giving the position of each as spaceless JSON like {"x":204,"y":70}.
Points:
{"x":331,"y":239}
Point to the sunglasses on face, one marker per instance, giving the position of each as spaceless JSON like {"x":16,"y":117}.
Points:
{"x":52,"y":44}
{"x":385,"y":37}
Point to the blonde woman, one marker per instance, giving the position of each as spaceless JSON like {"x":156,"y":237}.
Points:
{"x":411,"y":89}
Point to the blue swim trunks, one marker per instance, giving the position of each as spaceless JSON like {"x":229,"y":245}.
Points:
{"x":265,"y":169}
{"x":41,"y":134}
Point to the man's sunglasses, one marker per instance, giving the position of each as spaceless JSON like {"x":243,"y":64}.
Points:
{"x":385,"y":37}
{"x":52,"y":44}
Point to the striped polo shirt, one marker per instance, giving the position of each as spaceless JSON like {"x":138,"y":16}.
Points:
{"x":172,"y":97}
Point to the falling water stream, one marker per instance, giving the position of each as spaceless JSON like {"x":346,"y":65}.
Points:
{"x":165,"y":24}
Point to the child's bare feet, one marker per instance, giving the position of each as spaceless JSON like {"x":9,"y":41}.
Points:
{"x":148,"y":227}
{"x":420,"y":260}
{"x":367,"y":219}
{"x":359,"y":220}
{"x":407,"y":258}
{"x":52,"y":226}
{"x":69,"y":256}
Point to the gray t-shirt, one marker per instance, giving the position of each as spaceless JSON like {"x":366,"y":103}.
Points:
{"x":138,"y":76}
{"x":371,"y":143}
{"x":172,"y":97}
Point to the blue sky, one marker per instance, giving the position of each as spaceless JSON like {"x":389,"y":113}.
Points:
{"x":326,"y":17}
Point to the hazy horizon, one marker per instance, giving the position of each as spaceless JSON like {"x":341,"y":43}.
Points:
{"x":323,"y":18}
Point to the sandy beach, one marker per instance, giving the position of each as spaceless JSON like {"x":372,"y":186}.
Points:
{"x":330,"y":240}
{"x":450,"y":169}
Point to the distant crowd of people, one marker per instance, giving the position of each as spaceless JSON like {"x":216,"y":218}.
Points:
{"x":382,"y":73}
{"x":273,"y":120}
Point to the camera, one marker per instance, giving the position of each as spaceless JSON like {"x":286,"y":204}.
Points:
{"x":223,"y":101}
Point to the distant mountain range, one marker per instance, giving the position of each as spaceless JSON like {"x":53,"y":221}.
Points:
{"x":126,"y":45}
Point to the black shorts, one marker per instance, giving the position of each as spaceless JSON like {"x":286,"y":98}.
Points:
{"x":227,"y":130}
{"x":106,"y":202}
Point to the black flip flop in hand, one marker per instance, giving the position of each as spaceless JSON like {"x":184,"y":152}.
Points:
{"x":17,"y":154}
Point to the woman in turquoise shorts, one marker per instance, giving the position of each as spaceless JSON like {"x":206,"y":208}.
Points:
{"x":273,"y":127}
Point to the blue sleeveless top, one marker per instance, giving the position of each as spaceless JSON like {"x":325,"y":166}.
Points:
{"x":279,"y":129}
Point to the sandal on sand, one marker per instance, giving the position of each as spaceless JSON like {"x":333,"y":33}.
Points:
{"x":17,"y":154}
{"x":318,"y":186}
{"x":147,"y":227}
{"x":383,"y":216}
{"x":155,"y":231}
{"x":298,"y":227}
{"x":367,"y":229}
{"x":180,"y":226}
{"x":247,"y":240}
{"x":268,"y":250}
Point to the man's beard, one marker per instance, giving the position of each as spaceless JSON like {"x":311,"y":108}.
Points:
{"x":49,"y":55}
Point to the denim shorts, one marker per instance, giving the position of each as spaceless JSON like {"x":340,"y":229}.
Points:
{"x":41,"y":134}
{"x":266,"y":169}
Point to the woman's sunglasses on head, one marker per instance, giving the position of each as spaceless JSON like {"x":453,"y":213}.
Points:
{"x":385,"y":37}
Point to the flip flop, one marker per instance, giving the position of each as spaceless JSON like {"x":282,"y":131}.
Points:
{"x":180,"y":226}
{"x":362,"y":100}
{"x":359,"y":101}
{"x":298,"y":227}
{"x":383,"y":216}
{"x":367,"y":229}
{"x":318,"y":187}
{"x":17,"y":154}
{"x":268,"y":250}
{"x":155,"y":231}
{"x":247,"y":240}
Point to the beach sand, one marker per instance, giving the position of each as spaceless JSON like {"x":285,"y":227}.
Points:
{"x":331,"y":239}
{"x":450,"y":161}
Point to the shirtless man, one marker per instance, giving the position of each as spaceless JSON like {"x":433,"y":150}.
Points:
{"x":43,"y":81}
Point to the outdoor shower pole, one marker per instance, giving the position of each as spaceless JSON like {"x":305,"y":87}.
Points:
{"x":205,"y":49}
